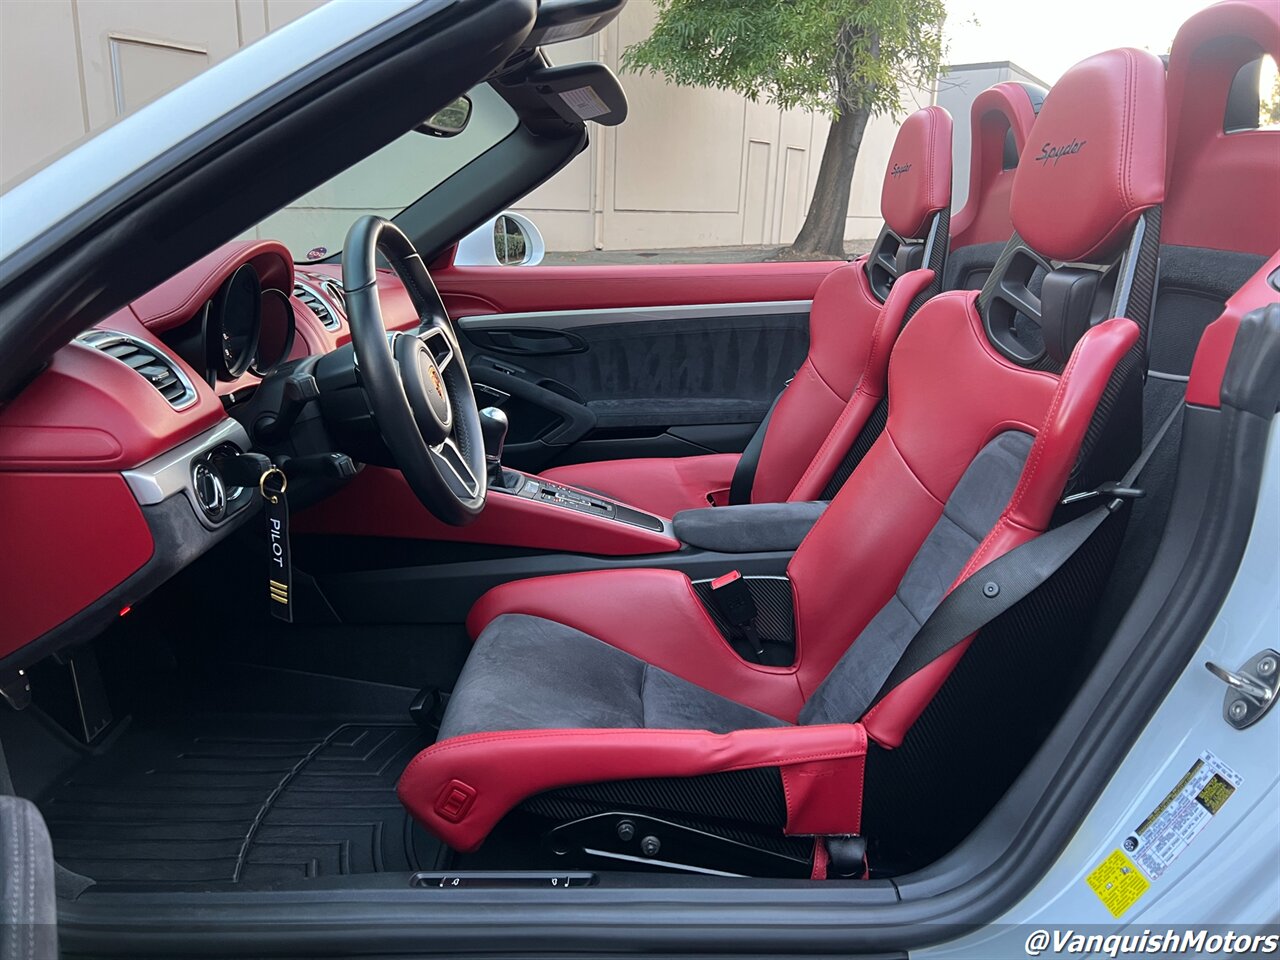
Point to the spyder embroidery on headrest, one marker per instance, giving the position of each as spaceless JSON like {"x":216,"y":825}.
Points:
{"x":1050,"y":152}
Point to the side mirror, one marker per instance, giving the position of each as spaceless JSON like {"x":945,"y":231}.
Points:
{"x":448,"y":121}
{"x":508,"y":240}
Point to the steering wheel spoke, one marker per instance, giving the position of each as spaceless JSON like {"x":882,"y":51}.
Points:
{"x":449,"y":455}
{"x":439,"y":344}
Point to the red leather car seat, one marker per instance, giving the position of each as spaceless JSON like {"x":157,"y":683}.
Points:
{"x":615,"y":690}
{"x":1000,"y":126}
{"x":857,"y":313}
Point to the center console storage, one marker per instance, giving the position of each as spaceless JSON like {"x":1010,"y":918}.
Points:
{"x":748,"y":528}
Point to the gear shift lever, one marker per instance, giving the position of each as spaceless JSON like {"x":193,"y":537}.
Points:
{"x":493,"y":426}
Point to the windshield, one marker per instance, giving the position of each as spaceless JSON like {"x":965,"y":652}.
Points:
{"x":313,"y":226}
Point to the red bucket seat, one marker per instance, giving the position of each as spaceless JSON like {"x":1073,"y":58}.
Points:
{"x":615,"y":691}
{"x":855,"y":318}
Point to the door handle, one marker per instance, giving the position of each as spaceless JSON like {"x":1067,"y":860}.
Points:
{"x":530,"y":342}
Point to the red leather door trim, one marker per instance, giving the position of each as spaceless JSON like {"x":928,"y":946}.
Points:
{"x":472,"y":291}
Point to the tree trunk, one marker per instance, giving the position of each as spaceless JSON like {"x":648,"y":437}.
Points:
{"x":823,"y":230}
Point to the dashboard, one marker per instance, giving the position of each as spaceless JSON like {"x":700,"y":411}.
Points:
{"x":94,"y":449}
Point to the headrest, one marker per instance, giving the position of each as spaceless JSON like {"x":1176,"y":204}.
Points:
{"x":1223,"y":192}
{"x":1000,"y":108}
{"x":1096,"y":158}
{"x":1000,"y":123}
{"x":917,"y":180}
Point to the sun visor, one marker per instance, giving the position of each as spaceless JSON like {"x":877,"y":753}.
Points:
{"x":561,"y":20}
{"x":582,"y":91}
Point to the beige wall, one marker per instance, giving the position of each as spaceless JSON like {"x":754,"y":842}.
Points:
{"x":70,"y":67}
{"x":696,"y":167}
{"x":690,"y":167}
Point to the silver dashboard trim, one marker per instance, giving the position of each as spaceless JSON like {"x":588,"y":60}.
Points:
{"x":571,"y":319}
{"x":336,"y":311}
{"x":170,"y":473}
{"x":100,"y":339}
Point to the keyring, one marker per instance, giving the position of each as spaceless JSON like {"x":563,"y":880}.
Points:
{"x":262,"y":485}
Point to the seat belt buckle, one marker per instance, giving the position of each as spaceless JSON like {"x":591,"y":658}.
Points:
{"x":733,"y":599}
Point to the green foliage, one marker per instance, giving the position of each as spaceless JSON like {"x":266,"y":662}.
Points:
{"x":828,"y":55}
{"x":1269,"y":105}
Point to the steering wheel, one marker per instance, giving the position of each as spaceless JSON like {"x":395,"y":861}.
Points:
{"x":417,"y":382}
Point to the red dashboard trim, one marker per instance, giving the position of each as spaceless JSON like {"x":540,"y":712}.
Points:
{"x":69,"y":539}
{"x":90,"y":412}
{"x":176,"y":300}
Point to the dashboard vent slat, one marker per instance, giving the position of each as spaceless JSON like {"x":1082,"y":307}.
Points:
{"x":148,"y":361}
{"x":317,"y":304}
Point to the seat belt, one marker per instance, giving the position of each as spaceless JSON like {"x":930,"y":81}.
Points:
{"x":744,"y":474}
{"x":990,"y":591}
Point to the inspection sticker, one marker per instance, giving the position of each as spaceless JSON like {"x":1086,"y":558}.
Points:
{"x":1118,"y":883}
{"x":585,"y":102}
{"x":1158,"y":840}
{"x":1181,"y":815}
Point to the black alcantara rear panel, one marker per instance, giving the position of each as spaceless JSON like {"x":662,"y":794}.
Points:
{"x":1195,"y":284}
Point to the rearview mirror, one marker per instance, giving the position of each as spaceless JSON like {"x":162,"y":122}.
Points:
{"x":448,"y":121}
{"x":508,"y":240}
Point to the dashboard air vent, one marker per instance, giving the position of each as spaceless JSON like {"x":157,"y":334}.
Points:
{"x":150,"y":362}
{"x":318,"y":305}
{"x":333,"y":287}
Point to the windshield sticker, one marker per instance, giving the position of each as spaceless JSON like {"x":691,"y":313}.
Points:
{"x":585,"y":102}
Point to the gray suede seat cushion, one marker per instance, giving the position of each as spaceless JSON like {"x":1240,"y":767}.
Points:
{"x":527,"y":673}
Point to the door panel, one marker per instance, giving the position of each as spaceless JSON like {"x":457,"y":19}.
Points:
{"x":606,"y":362}
{"x":470,"y":291}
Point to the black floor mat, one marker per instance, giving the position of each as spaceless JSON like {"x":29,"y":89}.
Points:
{"x":241,"y":799}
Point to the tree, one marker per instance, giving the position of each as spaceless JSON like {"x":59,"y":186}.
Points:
{"x":1269,"y":105}
{"x":847,"y":58}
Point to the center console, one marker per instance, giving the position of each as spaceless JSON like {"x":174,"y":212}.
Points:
{"x":493,"y":425}
{"x":543,"y":491}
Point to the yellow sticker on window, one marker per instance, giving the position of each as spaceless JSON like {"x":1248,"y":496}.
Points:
{"x":1118,"y":883}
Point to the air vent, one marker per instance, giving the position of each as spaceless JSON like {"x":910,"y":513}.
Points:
{"x":149,"y":361}
{"x":337,"y":293}
{"x":315,"y":302}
